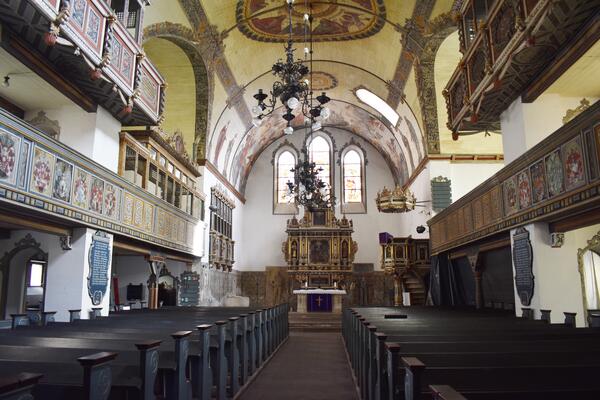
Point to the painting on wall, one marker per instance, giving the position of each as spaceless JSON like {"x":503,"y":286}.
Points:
{"x":524,"y":185}
{"x":23,"y":160}
{"x":539,"y":191}
{"x":96,"y":195}
{"x":554,"y":173}
{"x":63,"y":177}
{"x":511,"y":199}
{"x":574,"y":167}
{"x":81,"y":188}
{"x":41,"y":172}
{"x":9,"y":156}
{"x":111,"y":201}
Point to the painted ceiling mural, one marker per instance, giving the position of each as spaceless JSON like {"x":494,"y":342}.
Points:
{"x":402,"y":147}
{"x":336,"y":20}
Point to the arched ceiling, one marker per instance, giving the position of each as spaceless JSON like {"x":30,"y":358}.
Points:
{"x":358,"y":43}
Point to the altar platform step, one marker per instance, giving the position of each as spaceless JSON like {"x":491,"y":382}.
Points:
{"x":315,"y":322}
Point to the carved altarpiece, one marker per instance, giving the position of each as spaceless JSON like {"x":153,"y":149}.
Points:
{"x":319,"y":250}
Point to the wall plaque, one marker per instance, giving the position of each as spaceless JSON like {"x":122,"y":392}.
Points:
{"x":522,"y":253}
{"x":99,"y":261}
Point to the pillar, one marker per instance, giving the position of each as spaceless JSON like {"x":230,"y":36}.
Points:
{"x":68,"y":275}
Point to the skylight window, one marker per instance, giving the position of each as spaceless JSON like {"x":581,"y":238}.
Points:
{"x":378,"y":104}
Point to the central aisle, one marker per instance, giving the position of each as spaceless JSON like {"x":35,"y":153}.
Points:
{"x":309,"y":366}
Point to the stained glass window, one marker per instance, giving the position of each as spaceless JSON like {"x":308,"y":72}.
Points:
{"x":319,"y":152}
{"x":285,"y":163}
{"x":352,"y":170}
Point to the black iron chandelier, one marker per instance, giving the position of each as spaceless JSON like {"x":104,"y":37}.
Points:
{"x":308,"y":189}
{"x":293,"y":88}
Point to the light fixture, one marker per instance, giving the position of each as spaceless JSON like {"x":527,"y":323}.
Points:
{"x":6,"y":82}
{"x":288,"y":130}
{"x":292,"y":88}
{"x":308,"y":189}
{"x":397,"y":201}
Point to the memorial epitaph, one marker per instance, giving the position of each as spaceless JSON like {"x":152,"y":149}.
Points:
{"x":190,"y":289}
{"x":99,"y":261}
{"x":522,"y":253}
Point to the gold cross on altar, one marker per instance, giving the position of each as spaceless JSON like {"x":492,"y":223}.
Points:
{"x":319,"y":300}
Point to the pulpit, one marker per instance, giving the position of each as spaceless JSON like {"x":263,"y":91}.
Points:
{"x":319,"y":252}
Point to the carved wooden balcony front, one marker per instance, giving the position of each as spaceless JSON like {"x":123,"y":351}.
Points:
{"x":506,"y":44}
{"x":90,"y":48}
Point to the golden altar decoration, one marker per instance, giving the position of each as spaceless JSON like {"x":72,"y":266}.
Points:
{"x":319,"y":250}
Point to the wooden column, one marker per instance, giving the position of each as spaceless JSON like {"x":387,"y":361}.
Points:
{"x":475,"y":263}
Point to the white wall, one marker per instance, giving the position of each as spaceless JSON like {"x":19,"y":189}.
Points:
{"x":464,"y":177}
{"x":263,"y":232}
{"x":95,"y":135}
{"x":525,"y":124}
{"x":557,"y":280}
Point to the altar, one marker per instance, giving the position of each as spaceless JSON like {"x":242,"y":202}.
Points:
{"x":319,"y":300}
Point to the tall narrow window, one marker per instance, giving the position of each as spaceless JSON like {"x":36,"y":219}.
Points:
{"x":320,"y":153}
{"x":352,"y":161}
{"x":285,"y":163}
{"x":284,"y":160}
{"x":352,"y":177}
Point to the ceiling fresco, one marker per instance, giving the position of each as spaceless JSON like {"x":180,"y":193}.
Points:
{"x":358,"y":43}
{"x":335,"y":20}
{"x":401,"y":147}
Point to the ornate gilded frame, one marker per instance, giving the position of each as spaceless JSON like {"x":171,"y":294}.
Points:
{"x":593,"y":243}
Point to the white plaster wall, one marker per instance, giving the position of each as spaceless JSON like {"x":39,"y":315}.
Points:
{"x":263,"y":232}
{"x":464,"y":177}
{"x":106,"y":140}
{"x":557,"y":279}
{"x":525,"y":124}
{"x":66,"y":278}
{"x":95,"y":135}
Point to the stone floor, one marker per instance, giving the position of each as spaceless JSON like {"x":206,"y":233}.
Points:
{"x":311,"y":365}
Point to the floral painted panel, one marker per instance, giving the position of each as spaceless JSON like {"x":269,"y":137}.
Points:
{"x":573,"y":163}
{"x":111,"y":201}
{"x":41,"y":172}
{"x":126,"y":63}
{"x":81,"y":188}
{"x":511,"y":197}
{"x":128,"y":209}
{"x":138,"y":213}
{"x":9,"y":157}
{"x":93,"y":25}
{"x":539,"y":192}
{"x":63,"y":178}
{"x":148,"y":217}
{"x":524,"y":185}
{"x":78,"y":11}
{"x":554,"y":174}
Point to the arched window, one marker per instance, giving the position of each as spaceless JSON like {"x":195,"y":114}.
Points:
{"x":352,"y":162}
{"x":285,"y":163}
{"x":284,"y":160}
{"x":320,"y":153}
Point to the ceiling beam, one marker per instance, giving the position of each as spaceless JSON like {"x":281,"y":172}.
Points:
{"x":570,"y":54}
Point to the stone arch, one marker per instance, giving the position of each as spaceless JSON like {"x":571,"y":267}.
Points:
{"x":441,"y":28}
{"x":185,"y":39}
{"x":26,"y":243}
